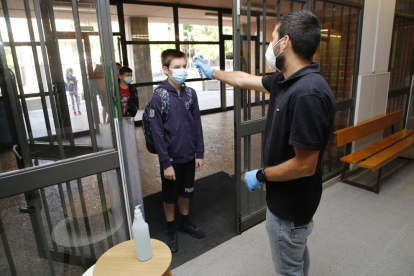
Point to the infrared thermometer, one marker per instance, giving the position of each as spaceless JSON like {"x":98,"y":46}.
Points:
{"x":199,"y":58}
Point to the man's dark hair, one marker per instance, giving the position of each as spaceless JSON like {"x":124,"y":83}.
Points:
{"x":169,"y":54}
{"x":119,"y":64}
{"x":124,"y":70}
{"x":304,"y":31}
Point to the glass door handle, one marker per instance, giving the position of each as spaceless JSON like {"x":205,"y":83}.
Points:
{"x":15,"y":152}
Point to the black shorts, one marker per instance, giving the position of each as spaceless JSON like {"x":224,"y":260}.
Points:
{"x":182,"y":186}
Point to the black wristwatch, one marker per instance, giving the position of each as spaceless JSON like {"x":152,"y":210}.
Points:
{"x":261,"y":176}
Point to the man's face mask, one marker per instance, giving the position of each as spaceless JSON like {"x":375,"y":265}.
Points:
{"x":271,"y":57}
{"x":178,"y":75}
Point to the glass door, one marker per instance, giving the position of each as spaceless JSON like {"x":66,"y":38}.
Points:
{"x":62,"y":197}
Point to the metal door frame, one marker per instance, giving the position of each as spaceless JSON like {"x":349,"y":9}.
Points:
{"x":244,"y":129}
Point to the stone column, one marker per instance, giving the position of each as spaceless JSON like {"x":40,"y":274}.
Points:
{"x":139,"y":56}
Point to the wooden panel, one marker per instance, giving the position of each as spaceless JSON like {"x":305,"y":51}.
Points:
{"x":387,"y":155}
{"x":352,"y":133}
{"x":366,"y":152}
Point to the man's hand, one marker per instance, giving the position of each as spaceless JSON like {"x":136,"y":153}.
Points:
{"x":169,"y":173}
{"x":199,"y":164}
{"x":206,"y":69}
{"x":251,"y":180}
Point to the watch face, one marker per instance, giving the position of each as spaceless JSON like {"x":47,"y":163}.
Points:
{"x":260,"y":176}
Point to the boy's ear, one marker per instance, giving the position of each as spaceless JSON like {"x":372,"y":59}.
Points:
{"x":165,"y":69}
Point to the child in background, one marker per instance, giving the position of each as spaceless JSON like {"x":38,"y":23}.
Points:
{"x":72,"y":88}
{"x":128,"y":93}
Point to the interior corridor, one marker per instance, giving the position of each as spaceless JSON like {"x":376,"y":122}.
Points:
{"x":356,"y":233}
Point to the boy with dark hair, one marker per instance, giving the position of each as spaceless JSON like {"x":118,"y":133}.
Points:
{"x":128,"y":93}
{"x":178,"y":139}
{"x":299,"y":123}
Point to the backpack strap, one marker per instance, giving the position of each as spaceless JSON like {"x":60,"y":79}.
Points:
{"x":189,"y":92}
{"x":165,"y":101}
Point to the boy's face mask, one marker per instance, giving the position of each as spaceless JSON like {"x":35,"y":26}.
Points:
{"x":178,"y":75}
{"x":128,"y":80}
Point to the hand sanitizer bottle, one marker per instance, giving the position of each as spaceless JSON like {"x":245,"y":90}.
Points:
{"x":141,"y":236}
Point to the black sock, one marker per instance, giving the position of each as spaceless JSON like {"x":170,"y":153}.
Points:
{"x":185,"y":219}
{"x":171,"y":226}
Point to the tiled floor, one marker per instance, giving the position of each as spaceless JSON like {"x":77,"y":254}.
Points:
{"x":356,"y":233}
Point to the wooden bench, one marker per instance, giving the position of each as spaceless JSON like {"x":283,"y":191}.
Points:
{"x":378,"y":154}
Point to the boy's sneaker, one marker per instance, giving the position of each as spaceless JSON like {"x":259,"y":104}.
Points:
{"x":192,"y":230}
{"x":74,"y":113}
{"x":172,"y":239}
{"x":79,"y":112}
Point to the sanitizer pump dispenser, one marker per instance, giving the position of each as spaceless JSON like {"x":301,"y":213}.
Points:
{"x":141,"y":236}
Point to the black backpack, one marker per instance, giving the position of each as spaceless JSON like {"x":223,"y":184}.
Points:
{"x":165,"y":106}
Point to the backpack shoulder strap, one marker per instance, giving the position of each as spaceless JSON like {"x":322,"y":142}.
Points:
{"x":189,"y":92}
{"x":165,"y":101}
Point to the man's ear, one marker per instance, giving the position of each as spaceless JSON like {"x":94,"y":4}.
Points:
{"x":286,"y":42}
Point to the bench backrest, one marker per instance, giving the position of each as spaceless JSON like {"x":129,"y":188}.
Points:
{"x":352,"y":133}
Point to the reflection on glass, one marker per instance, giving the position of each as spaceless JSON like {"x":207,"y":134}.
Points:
{"x":57,"y":125}
{"x":77,"y":221}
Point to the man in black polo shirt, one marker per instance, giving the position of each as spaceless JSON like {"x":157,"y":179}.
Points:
{"x":298,"y":126}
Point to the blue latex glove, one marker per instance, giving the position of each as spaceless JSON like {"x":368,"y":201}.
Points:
{"x":206,"y":69}
{"x":251,"y":180}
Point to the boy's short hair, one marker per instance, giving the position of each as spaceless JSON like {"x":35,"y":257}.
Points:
{"x":124,"y":70}
{"x":169,"y":54}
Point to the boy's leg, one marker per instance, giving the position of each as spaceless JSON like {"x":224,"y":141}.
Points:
{"x":170,"y":194}
{"x":186,"y":192}
{"x":184,"y":205}
{"x":78,"y":101}
{"x":169,"y":211}
{"x":73,"y":102}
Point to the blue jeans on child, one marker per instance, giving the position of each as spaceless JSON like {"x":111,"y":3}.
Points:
{"x":288,"y":245}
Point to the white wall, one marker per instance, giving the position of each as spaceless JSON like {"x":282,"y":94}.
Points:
{"x":373,"y":78}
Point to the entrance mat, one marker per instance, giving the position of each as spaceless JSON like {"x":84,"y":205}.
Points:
{"x":212,"y":209}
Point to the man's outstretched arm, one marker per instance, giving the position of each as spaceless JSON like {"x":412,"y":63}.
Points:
{"x":237,"y":79}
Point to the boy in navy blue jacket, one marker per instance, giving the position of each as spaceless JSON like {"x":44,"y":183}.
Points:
{"x":178,"y":139}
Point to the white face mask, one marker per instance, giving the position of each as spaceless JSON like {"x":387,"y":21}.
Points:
{"x":179,"y":75}
{"x":270,"y":55}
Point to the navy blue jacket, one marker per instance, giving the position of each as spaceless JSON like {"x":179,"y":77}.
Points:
{"x":180,"y":138}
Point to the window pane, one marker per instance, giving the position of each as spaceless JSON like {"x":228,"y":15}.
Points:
{"x":208,"y":93}
{"x":198,"y":25}
{"x":405,"y":6}
{"x":145,"y":62}
{"x":337,"y":49}
{"x":210,"y":53}
{"x":227,"y":24}
{"x":401,"y":53}
{"x":148,"y":23}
